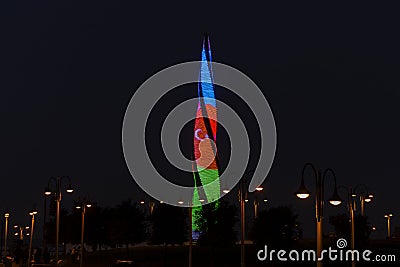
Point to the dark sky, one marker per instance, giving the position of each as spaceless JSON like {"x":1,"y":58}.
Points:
{"x":69,"y":69}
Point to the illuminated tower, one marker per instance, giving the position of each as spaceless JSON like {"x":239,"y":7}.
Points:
{"x":206,"y":167}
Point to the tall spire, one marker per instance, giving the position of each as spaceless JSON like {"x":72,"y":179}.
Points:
{"x":206,"y":166}
{"x":206,"y":46}
{"x":206,"y":84}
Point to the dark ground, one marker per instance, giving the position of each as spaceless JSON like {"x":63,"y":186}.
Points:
{"x":175,"y":256}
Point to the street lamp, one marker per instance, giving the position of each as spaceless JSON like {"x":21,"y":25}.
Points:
{"x":225,"y":191}
{"x":20,"y":232}
{"x":243,"y":198}
{"x":255,"y":201}
{"x":32,"y":214}
{"x":302,"y":192}
{"x":335,"y":200}
{"x":362,"y":191}
{"x":351,"y":197}
{"x":152,"y":205}
{"x":364,"y":194}
{"x":57,"y":195}
{"x":82,"y":205}
{"x":388,"y":216}
{"x":365,"y":197}
{"x":6,"y":216}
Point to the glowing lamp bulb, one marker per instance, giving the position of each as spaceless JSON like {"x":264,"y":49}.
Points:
{"x":303,"y":195}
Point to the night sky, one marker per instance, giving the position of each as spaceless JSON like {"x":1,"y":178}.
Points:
{"x":69,"y":69}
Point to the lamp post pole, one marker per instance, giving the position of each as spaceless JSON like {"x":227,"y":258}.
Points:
{"x":365,"y":196}
{"x":351,"y":206}
{"x":44,"y":222}
{"x":388,"y":217}
{"x":256,"y":203}
{"x":32,"y":213}
{"x":20,"y":231}
{"x":242,"y":200}
{"x":242,"y":222}
{"x":82,"y":233}
{"x":335,"y":200}
{"x":362,"y":205}
{"x":319,"y":207}
{"x":352,"y":220}
{"x":82,"y":206}
{"x":6,"y":216}
{"x":351,"y":201}
{"x":2,"y":241}
{"x":58,"y":197}
{"x":58,"y":200}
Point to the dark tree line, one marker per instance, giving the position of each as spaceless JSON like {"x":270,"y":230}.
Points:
{"x":277,"y":227}
{"x":216,"y":222}
{"x":127,"y":223}
{"x":120,"y":225}
{"x":362,"y":228}
{"x":169,"y":225}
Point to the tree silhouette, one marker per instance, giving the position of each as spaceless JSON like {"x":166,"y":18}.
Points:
{"x":277,"y":227}
{"x":362,"y":228}
{"x":216,"y":224}
{"x":95,"y":226}
{"x":125,"y":224}
{"x":168,"y":224}
{"x":69,"y":228}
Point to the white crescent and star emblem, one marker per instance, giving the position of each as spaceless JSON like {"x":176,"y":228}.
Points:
{"x":196,"y":135}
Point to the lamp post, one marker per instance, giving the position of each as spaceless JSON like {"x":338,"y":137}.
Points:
{"x":255,"y":201}
{"x":32,"y":214}
{"x":152,"y":205}
{"x":58,"y":196}
{"x":242,"y":218}
{"x":6,"y":216}
{"x":365,"y":196}
{"x":388,"y":216}
{"x":82,"y":206}
{"x":351,"y":197}
{"x":243,"y":198}
{"x":20,"y":232}
{"x":335,"y":200}
{"x":365,"y":199}
{"x":44,"y":222}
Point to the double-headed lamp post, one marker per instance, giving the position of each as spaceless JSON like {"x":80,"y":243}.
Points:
{"x":6,"y":216}
{"x":388,"y":216}
{"x":365,"y":195}
{"x":335,"y":200}
{"x":20,"y":233}
{"x":82,"y":205}
{"x":32,"y":214}
{"x":152,"y":204}
{"x":256,"y":202}
{"x":57,"y":194}
{"x":362,"y":191}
